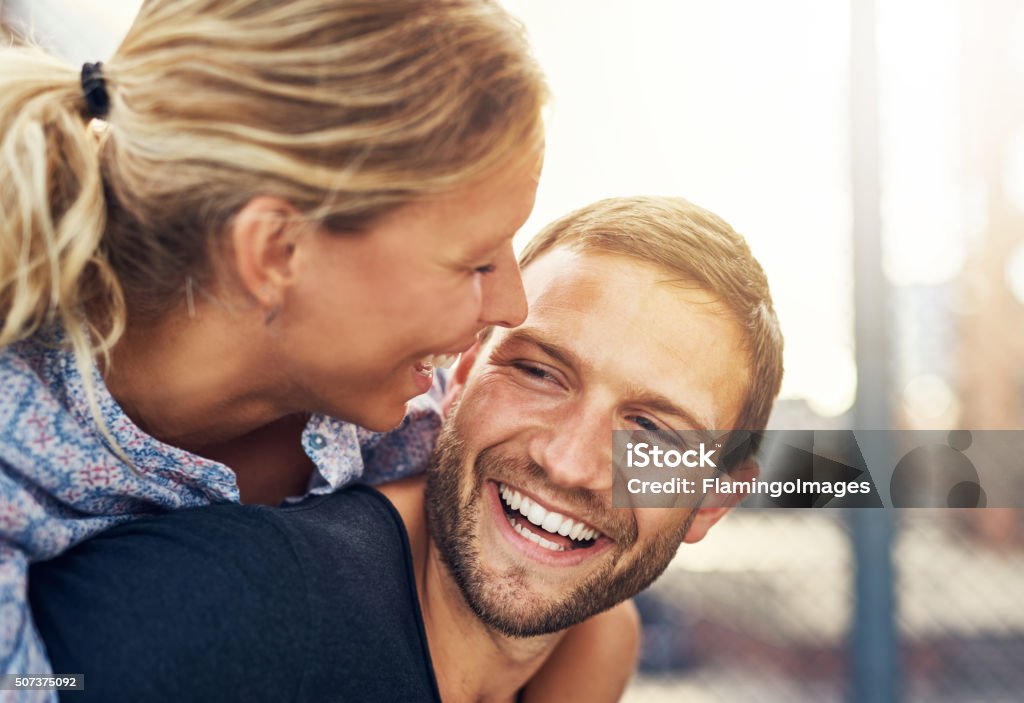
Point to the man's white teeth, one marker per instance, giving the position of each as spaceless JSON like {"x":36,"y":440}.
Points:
{"x":549,"y":521}
{"x":535,"y":538}
{"x":439,"y":361}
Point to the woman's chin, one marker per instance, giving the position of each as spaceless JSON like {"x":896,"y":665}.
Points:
{"x":383,"y":416}
{"x":384,"y":408}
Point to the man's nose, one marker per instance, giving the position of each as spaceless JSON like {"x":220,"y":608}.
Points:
{"x":576,"y":450}
{"x":504,"y":301}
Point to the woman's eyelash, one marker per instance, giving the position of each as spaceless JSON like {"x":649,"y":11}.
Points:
{"x":488,"y":268}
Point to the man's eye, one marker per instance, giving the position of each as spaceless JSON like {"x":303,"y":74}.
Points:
{"x":645,"y":424}
{"x":534,"y":371}
{"x":488,"y":268}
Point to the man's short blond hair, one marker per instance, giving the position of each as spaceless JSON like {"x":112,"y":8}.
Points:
{"x":693,"y":245}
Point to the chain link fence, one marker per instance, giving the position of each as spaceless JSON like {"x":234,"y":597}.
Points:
{"x":762,"y":610}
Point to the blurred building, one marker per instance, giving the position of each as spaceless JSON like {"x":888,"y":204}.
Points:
{"x":991,"y":319}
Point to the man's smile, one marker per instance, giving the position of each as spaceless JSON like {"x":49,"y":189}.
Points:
{"x":542,"y":532}
{"x":579,"y":533}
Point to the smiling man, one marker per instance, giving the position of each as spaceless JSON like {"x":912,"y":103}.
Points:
{"x":645,"y":314}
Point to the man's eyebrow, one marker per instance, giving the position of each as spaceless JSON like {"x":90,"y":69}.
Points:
{"x":555,"y":351}
{"x":661,"y":403}
{"x":638,"y":394}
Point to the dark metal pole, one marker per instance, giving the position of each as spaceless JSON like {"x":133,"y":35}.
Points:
{"x":875,"y":668}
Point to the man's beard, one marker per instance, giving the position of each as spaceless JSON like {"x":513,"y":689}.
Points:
{"x":503,"y":600}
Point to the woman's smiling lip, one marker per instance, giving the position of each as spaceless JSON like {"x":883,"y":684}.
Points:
{"x":422,"y":377}
{"x":438,"y":358}
{"x":422,"y":370}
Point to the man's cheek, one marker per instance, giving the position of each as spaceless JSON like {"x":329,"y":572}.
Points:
{"x":652,"y":523}
{"x":506,"y":384}
{"x":496,"y":414}
{"x":660,"y":539}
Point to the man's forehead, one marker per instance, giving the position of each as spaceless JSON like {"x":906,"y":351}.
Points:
{"x":617,"y":292}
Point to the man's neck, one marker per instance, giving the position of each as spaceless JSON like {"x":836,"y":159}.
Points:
{"x":472,"y":661}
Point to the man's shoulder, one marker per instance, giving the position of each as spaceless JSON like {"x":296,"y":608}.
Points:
{"x":406,"y":495}
{"x":318,"y":598}
{"x":357,"y":558}
{"x":356,"y":525}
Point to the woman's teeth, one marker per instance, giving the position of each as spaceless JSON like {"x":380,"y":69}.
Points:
{"x":437,"y":361}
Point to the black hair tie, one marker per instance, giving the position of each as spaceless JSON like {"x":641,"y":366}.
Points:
{"x":97,"y":102}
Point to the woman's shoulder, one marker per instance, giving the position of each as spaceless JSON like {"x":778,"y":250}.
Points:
{"x":32,"y":369}
{"x":58,"y":466}
{"x":27,"y":379}
{"x":46,"y":459}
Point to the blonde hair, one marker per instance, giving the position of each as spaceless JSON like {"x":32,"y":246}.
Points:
{"x":695,"y":246}
{"x":346,"y":109}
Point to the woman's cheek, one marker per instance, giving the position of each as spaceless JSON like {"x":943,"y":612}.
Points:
{"x":460,"y":308}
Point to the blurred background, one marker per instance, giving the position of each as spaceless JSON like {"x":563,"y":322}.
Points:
{"x":873,"y":154}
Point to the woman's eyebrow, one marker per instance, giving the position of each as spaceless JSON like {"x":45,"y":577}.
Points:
{"x":488,"y":247}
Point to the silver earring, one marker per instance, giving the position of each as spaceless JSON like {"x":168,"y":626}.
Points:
{"x":271,"y":314}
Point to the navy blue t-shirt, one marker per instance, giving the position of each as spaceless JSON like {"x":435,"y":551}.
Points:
{"x":312,"y":602}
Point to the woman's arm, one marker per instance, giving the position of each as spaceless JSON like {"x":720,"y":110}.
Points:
{"x":593,"y":662}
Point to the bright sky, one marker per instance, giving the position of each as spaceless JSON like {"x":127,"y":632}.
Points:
{"x":739,"y":106}
{"x":742,"y":107}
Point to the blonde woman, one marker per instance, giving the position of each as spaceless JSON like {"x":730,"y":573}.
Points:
{"x":257,"y":223}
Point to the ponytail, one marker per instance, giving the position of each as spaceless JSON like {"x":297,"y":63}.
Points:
{"x":52,"y":216}
{"x":52,"y":211}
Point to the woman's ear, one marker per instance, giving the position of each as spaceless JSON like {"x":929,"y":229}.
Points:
{"x":262,"y":243}
{"x":720,"y":505}
{"x":459,"y":376}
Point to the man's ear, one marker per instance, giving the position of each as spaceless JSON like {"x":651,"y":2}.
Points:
{"x":261,"y":242}
{"x":720,"y":504}
{"x":459,"y":376}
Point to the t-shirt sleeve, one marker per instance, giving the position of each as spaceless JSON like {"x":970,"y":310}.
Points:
{"x":311,"y":602}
